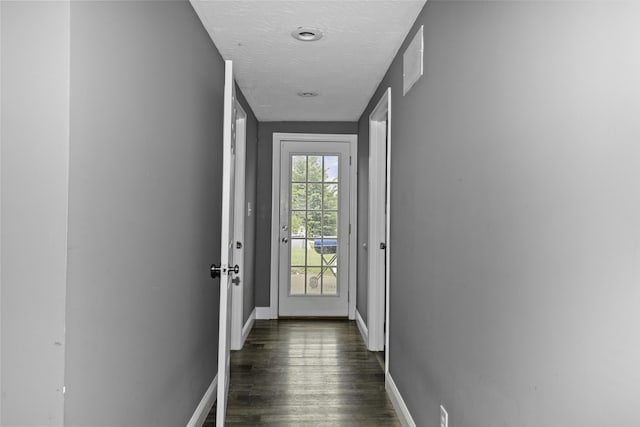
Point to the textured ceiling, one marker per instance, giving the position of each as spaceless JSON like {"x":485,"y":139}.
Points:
{"x":361,"y":37}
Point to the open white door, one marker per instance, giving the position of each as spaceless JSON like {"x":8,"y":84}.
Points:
{"x":227,"y":267}
{"x":378,"y":247}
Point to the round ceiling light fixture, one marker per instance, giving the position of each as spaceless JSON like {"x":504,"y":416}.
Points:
{"x":306,"y":34}
{"x":307,"y":94}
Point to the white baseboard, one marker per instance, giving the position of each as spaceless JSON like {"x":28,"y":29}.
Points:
{"x":363,"y":328}
{"x":204,"y":407}
{"x":248,"y":326}
{"x":398,"y":402}
{"x":265,"y":313}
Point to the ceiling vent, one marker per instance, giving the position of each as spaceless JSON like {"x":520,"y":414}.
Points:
{"x":306,"y":34}
{"x":307,"y":94}
{"x":412,"y":62}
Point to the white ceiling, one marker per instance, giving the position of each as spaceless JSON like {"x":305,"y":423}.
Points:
{"x":361,"y":37}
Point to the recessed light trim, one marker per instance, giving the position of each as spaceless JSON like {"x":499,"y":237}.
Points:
{"x":307,"y":34}
{"x":308,"y":94}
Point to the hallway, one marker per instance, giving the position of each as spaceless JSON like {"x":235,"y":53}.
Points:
{"x":306,"y":372}
{"x":493,"y":203}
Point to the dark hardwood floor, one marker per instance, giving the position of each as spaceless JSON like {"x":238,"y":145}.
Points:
{"x":306,"y":373}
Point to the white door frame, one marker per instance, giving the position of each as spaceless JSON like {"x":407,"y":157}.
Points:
{"x":379,"y":225}
{"x":352,"y":140}
{"x":237,"y":308}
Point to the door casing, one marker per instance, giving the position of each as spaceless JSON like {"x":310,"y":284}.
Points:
{"x":352,"y":140}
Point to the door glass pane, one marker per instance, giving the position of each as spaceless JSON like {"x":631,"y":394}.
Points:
{"x":331,"y":168}
{"x":314,"y":281}
{"x":315,"y":197}
{"x":329,"y":281}
{"x":330,"y":196}
{"x":314,"y":225}
{"x":298,"y":168}
{"x":298,"y":196}
{"x":313,"y":256}
{"x":330,"y":224}
{"x":297,"y":281}
{"x":298,"y":253}
{"x":298,"y":224}
{"x":315,"y":169}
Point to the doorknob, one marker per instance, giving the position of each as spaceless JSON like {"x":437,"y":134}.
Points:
{"x":238,"y":245}
{"x":383,"y":245}
{"x":216,"y":271}
{"x":233,"y":270}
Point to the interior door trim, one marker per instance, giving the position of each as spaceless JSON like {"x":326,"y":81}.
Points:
{"x":352,"y":140}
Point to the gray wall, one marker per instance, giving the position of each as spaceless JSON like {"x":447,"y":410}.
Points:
{"x":35,"y":153}
{"x":144,"y":213}
{"x":250,"y":216}
{"x":515,"y":227}
{"x":263,"y":220}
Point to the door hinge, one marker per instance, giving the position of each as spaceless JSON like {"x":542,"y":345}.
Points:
{"x":349,"y":160}
{"x":349,"y":228}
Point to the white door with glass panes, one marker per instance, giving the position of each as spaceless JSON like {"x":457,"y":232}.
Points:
{"x":314,"y":229}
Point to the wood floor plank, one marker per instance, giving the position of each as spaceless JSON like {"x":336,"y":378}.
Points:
{"x":306,"y":373}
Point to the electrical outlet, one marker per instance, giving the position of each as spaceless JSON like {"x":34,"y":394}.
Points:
{"x":444,"y":417}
